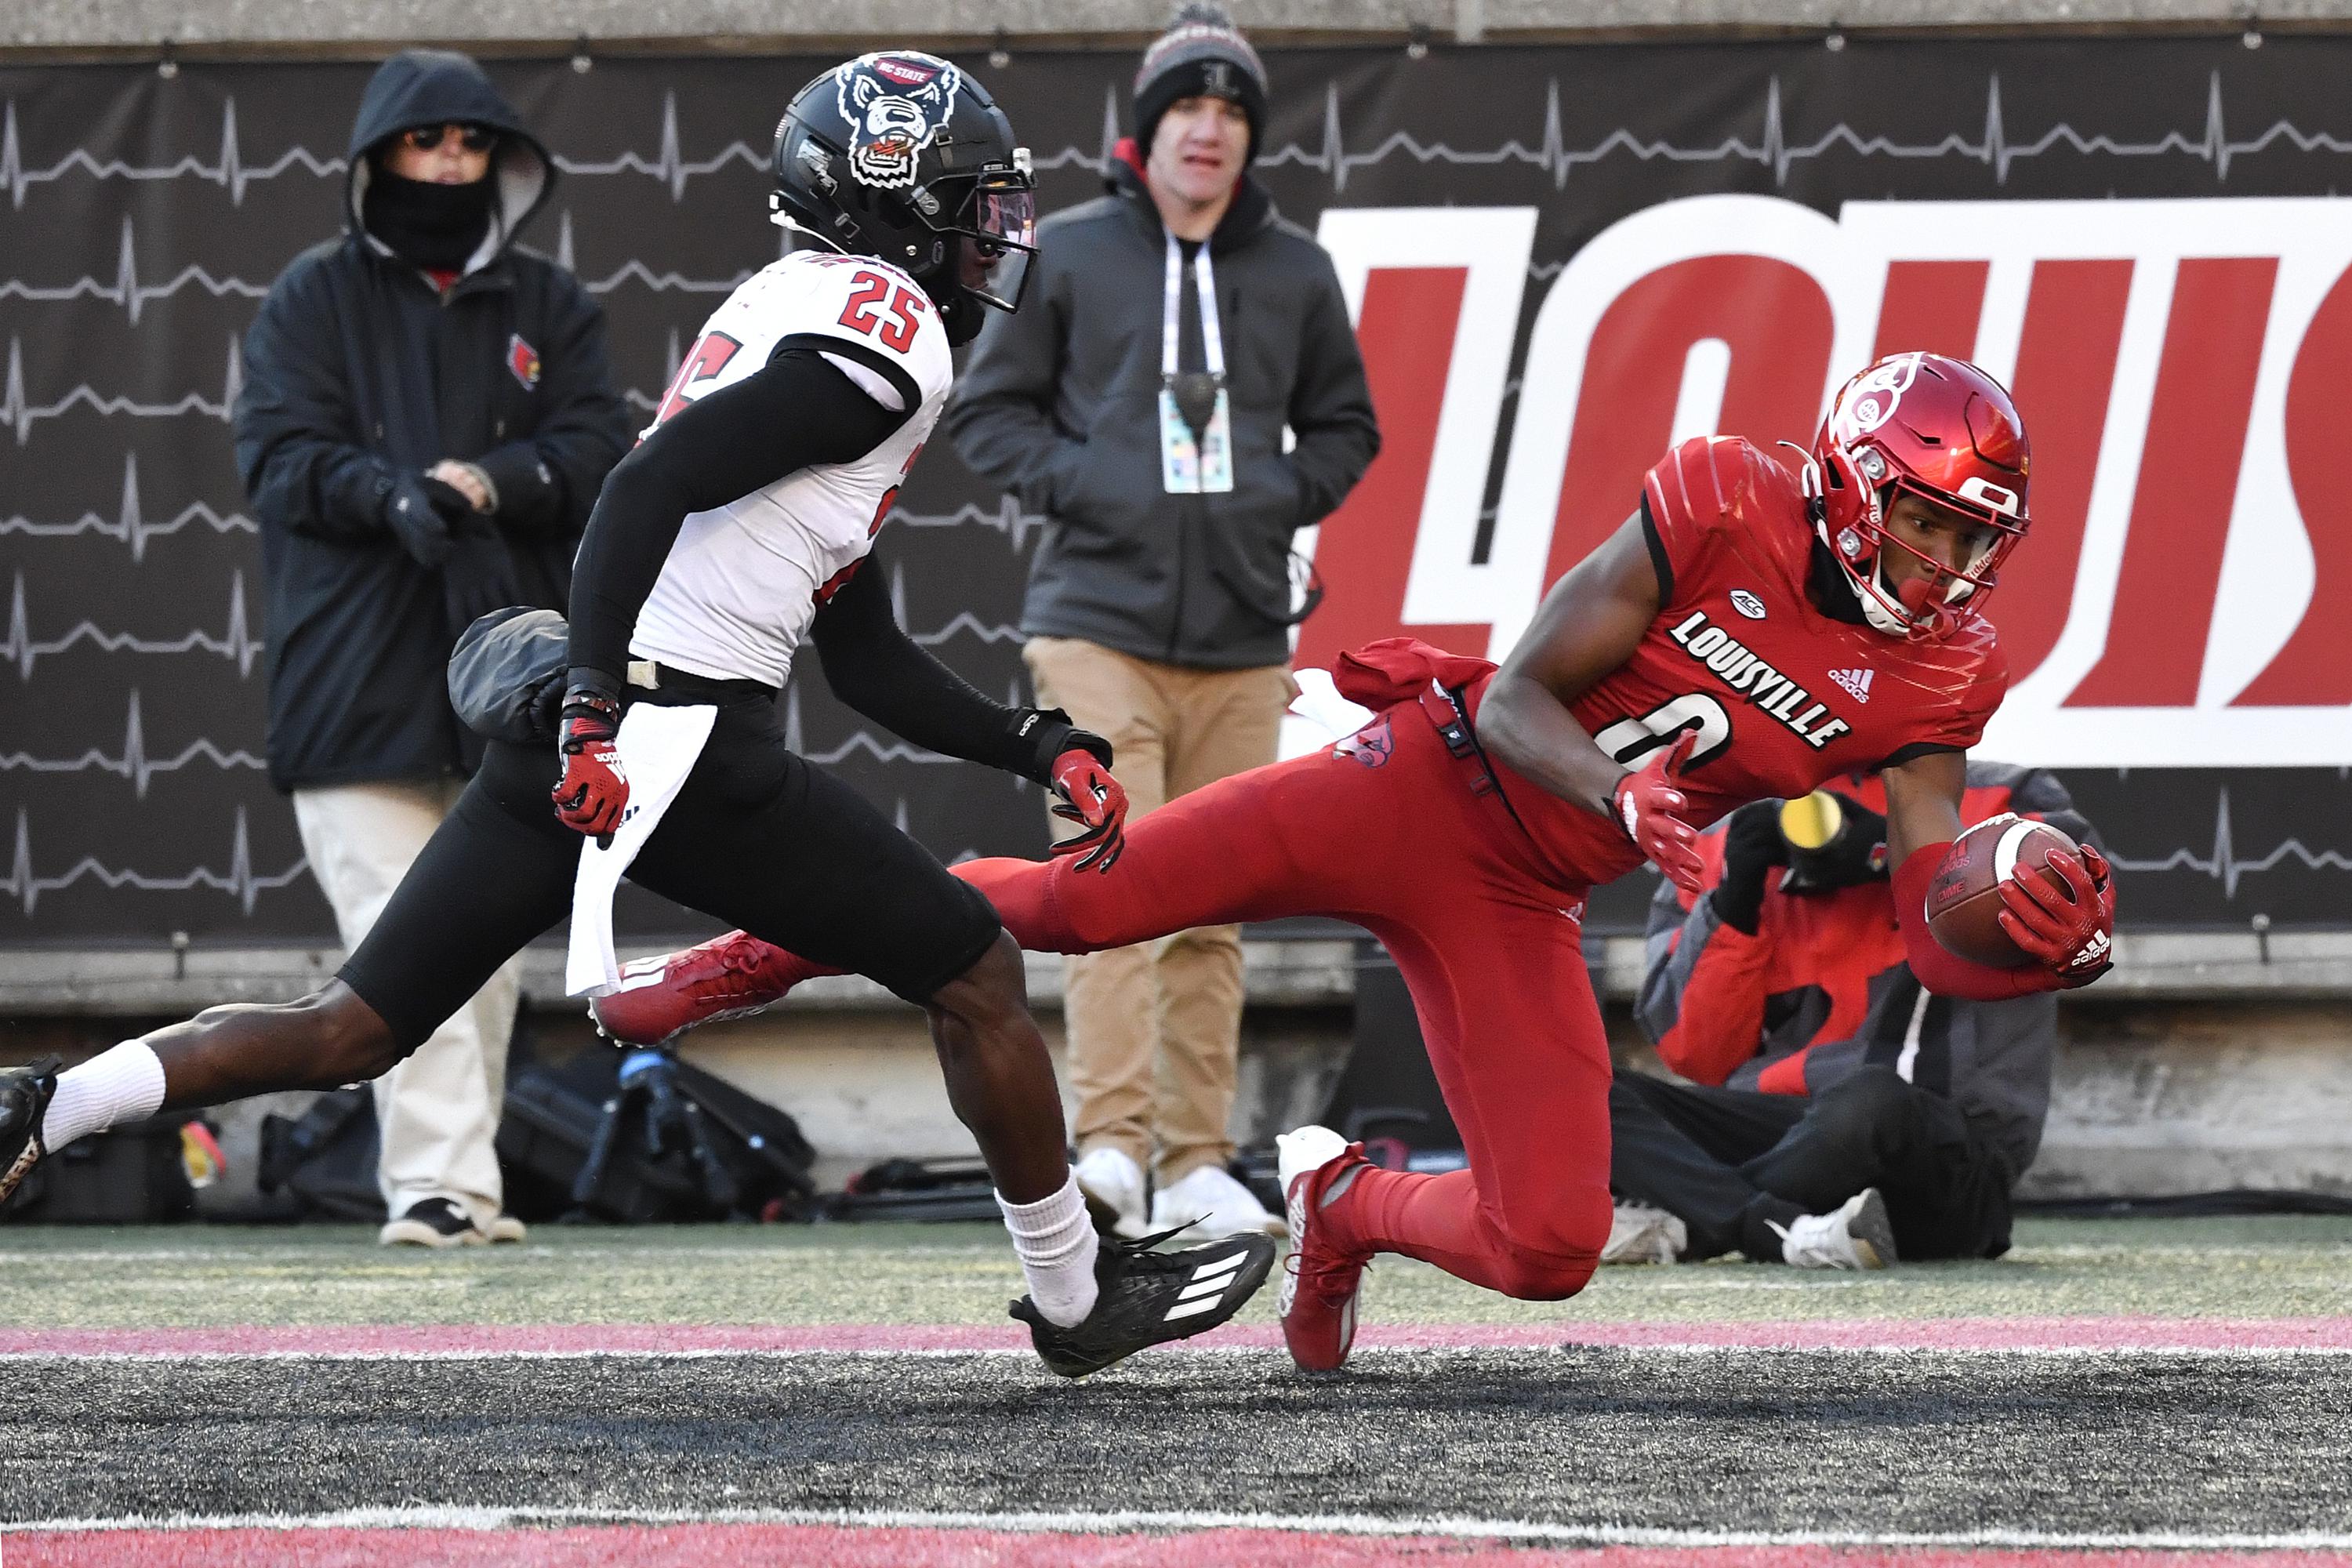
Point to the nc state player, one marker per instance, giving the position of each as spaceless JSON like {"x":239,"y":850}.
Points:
{"x":730,"y":535}
{"x":1751,"y":631}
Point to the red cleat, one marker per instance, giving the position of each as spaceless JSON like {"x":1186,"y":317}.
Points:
{"x":729,"y":976}
{"x":1319,"y":1283}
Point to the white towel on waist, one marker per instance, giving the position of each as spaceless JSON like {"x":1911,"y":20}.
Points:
{"x":658,"y":747}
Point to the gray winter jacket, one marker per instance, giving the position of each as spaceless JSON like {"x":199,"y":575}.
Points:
{"x":1060,"y":406}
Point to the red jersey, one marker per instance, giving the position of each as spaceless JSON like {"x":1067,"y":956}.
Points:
{"x":1784,"y":698}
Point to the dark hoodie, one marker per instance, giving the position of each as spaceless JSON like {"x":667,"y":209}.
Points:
{"x":358,"y":369}
{"x":1061,"y":407}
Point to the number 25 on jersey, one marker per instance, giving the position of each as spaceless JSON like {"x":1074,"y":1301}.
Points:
{"x":868,"y":292}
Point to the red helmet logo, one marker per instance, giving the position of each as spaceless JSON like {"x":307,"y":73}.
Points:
{"x":1943,"y":430}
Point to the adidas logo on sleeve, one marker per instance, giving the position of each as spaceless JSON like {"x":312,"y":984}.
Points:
{"x":1855,"y":682}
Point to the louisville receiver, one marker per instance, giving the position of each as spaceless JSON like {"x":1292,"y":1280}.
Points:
{"x":1751,"y":631}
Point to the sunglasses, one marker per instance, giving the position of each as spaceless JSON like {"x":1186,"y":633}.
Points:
{"x":472,"y":138}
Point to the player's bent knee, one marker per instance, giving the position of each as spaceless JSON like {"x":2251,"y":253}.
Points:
{"x":1529,"y":1276}
{"x":1854,"y":1108}
{"x":355,"y":1043}
{"x":993,"y":992}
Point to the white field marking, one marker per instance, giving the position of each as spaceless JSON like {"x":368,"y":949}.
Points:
{"x":431,"y":1517}
{"x":1021,"y":1353}
{"x":332,"y":1251}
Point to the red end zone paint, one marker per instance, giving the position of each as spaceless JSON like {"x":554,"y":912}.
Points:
{"x":826,"y":1546}
{"x":1951,"y":1335}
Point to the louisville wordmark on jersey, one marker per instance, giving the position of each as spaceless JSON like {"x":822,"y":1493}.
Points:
{"x":1782,"y":695}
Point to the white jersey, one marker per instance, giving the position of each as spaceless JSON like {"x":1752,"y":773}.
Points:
{"x":739,"y":588}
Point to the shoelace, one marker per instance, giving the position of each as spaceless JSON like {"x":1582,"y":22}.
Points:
{"x":1140,"y":1254}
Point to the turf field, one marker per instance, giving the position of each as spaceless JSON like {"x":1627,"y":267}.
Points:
{"x":2113,"y":1391}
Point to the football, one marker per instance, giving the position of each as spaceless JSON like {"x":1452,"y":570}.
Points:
{"x":1964,"y":899}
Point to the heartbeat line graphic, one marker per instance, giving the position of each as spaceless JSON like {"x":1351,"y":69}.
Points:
{"x":880,"y":748}
{"x":19,"y":414}
{"x":2224,"y":865}
{"x":231,"y":173}
{"x":237,"y":644}
{"x":126,"y":290}
{"x":659,"y":282}
{"x":134,"y":764}
{"x":1993,"y":142}
{"x":668,"y":164}
{"x":964,"y":621}
{"x":1006,"y":518}
{"x":129,"y":524}
{"x":1995,"y":146}
{"x":240,"y":881}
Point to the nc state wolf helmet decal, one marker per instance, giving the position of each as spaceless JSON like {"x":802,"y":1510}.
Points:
{"x":896,"y":104}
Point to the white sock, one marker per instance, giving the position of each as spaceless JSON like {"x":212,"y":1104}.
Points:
{"x":1056,"y":1243}
{"x":122,"y":1084}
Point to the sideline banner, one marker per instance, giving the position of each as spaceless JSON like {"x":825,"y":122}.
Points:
{"x":1561,"y":258}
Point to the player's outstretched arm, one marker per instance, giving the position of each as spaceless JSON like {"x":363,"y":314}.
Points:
{"x":1923,"y":817}
{"x":1589,"y":623}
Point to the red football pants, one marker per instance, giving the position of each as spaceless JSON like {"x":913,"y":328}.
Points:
{"x":1390,"y":833}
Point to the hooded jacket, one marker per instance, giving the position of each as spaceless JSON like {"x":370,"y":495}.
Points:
{"x":357,"y":370}
{"x":1060,"y":406}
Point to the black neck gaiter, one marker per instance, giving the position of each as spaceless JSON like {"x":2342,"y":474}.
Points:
{"x":431,"y":226}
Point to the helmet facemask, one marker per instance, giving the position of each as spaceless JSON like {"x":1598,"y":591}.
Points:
{"x":1950,"y":429}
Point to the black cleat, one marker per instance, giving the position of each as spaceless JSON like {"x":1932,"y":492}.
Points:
{"x":25,"y":1094}
{"x":1147,"y":1298}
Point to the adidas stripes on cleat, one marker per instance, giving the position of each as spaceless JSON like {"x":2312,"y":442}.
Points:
{"x":1147,"y":1298}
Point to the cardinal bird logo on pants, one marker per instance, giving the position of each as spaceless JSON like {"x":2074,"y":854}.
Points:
{"x":1372,"y":745}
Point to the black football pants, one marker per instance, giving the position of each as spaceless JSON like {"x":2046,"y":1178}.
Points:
{"x":759,"y":837}
{"x":1731,"y":1162}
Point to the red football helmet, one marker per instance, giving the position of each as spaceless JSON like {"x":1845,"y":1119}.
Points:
{"x":1945,"y":431}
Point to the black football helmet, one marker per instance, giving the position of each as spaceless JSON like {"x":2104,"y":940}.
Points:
{"x":902,"y":156}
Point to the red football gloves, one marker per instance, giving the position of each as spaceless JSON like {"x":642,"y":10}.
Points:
{"x":1091,"y":797}
{"x":1649,"y":808}
{"x":595,"y":790}
{"x":2071,"y":934}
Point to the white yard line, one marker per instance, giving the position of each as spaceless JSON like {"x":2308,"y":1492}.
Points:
{"x":426,"y":1517}
{"x":1021,"y":1353}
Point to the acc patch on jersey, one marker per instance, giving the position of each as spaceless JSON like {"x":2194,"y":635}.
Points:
{"x":523,"y":361}
{"x":897,"y":104}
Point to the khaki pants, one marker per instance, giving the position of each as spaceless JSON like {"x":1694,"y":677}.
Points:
{"x":1155,"y":1030}
{"x":438,"y":1110}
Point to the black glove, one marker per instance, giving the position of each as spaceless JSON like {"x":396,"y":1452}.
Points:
{"x":479,"y":575}
{"x":448,"y":500}
{"x":410,"y":512}
{"x":1752,"y":846}
{"x":1856,"y":855}
{"x":1049,"y":733}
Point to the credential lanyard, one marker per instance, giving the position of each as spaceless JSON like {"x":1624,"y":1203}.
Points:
{"x":1196,"y":425}
{"x":1213,"y":344}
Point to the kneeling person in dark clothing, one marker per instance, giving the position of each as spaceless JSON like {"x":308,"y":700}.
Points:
{"x":1838,"y":1114}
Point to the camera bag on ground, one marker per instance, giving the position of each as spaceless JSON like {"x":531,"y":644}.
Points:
{"x":917,"y":1190}
{"x":131,"y":1175}
{"x":326,"y":1157}
{"x":674,"y":1143}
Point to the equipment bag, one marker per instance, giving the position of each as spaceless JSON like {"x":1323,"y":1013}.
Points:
{"x":131,"y":1175}
{"x":326,"y":1157}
